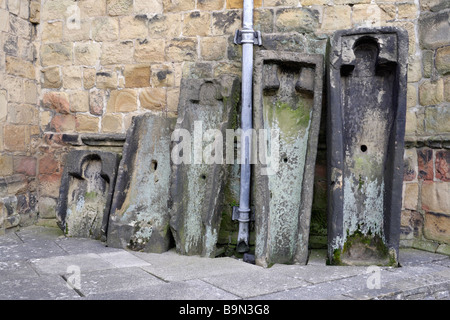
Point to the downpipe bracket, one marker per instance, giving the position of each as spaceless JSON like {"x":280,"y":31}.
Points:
{"x":248,"y":36}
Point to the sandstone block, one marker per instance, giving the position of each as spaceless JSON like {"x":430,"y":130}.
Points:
{"x":3,"y":105}
{"x":213,"y":48}
{"x":137,"y":76}
{"x":105,"y":29}
{"x":184,"y":49}
{"x":297,"y":19}
{"x":336,"y":18}
{"x":225,"y":23}
{"x":107,"y":80}
{"x":208,"y":5}
{"x":132,"y":27}
{"x":6,"y":165}
{"x":197,"y":23}
{"x":151,"y":50}
{"x":56,"y":54}
{"x":112,"y":123}
{"x":77,"y":32}
{"x":86,"y":123}
{"x":178,"y":5}
{"x":165,"y":26}
{"x":411,"y":195}
{"x":79,"y":101}
{"x":51,"y":77}
{"x":71,"y":77}
{"x":89,"y":77}
{"x":117,"y":52}
{"x":57,"y":101}
{"x":122,"y":101}
{"x":443,"y":60}
{"x":25,"y":165}
{"x":22,"y":114}
{"x":16,"y":137}
{"x":431,"y":93}
{"x":153,"y":99}
{"x":238,"y":4}
{"x":148,"y":6}
{"x":63,"y":123}
{"x":92,"y":8}
{"x":35,"y":11}
{"x":433,"y":29}
{"x":437,"y":227}
{"x":20,"y":67}
{"x":119,"y":7}
{"x":51,"y":32}
{"x":47,"y":207}
{"x":162,"y":76}
{"x":435,"y":197}
{"x":442,"y":165}
{"x":437,"y":120}
{"x":97,"y":99}
{"x":30,"y":92}
{"x":87,"y":53}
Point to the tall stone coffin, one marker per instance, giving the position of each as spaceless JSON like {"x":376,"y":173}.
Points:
{"x":287,"y":109}
{"x":365,"y":141}
{"x":86,"y":192}
{"x":207,"y":107}
{"x":139,"y":218}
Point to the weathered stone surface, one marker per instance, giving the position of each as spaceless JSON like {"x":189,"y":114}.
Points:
{"x":425,"y":164}
{"x":119,"y":7}
{"x":86,"y":191}
{"x":137,"y":76}
{"x":287,"y":104}
{"x":297,"y":19}
{"x":139,"y":217}
{"x":431,"y":93}
{"x":153,"y":99}
{"x":151,"y":50}
{"x":365,"y":144}
{"x":434,"y":29}
{"x":437,"y":227}
{"x":57,"y":101}
{"x":56,"y":54}
{"x":197,"y":24}
{"x":206,"y":108}
{"x":443,"y":59}
{"x":132,"y":27}
{"x":442,"y":165}
{"x":435,"y":196}
{"x":122,"y":101}
{"x":434,"y":5}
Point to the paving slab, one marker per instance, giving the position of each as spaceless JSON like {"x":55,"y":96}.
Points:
{"x":123,"y":259}
{"x":34,"y":233}
{"x":83,"y":245}
{"x":321,"y":291}
{"x":415,"y":257}
{"x":31,"y":250}
{"x":16,"y":269}
{"x":59,"y":265}
{"x":9,"y":239}
{"x":36,"y":288}
{"x":113,"y":280}
{"x":173,"y":267}
{"x":180,"y":290}
{"x":318,"y":273}
{"x":247,"y":284}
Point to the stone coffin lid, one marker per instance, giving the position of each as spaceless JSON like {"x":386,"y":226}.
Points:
{"x":75,"y":169}
{"x":365,"y":141}
{"x":197,"y":187}
{"x":287,"y":107}
{"x":139,"y":218}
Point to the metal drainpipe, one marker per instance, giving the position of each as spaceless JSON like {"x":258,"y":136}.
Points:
{"x":247,"y":37}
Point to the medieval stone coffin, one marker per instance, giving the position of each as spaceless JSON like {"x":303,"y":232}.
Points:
{"x":366,"y":125}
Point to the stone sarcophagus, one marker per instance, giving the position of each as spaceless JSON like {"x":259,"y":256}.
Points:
{"x":287,"y":109}
{"x":139,"y":218}
{"x":86,"y":192}
{"x":207,"y":108}
{"x":365,"y":140}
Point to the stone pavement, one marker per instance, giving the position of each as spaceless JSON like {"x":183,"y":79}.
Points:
{"x":39,"y":263}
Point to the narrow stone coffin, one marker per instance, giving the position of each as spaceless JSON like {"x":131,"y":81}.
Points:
{"x":287,"y":108}
{"x":206,"y":109}
{"x":366,"y":126}
{"x":85,"y":195}
{"x":139,"y":218}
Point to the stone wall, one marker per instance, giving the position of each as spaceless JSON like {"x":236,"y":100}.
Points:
{"x":19,"y":114}
{"x":426,"y":189}
{"x":88,"y":66}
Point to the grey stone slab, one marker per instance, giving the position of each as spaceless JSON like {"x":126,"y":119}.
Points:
{"x":409,"y":257}
{"x":113,"y":280}
{"x":31,"y":250}
{"x":322,"y":291}
{"x":180,"y":290}
{"x":139,"y":218}
{"x":87,"y":262}
{"x":367,"y":76}
{"x":318,"y":273}
{"x":123,"y":259}
{"x":287,"y":100}
{"x":16,"y":269}
{"x":254,"y":283}
{"x":34,"y":233}
{"x":36,"y":288}
{"x":83,"y":245}
{"x":9,"y":238}
{"x":206,"y":109}
{"x":174,"y":267}
{"x":317,"y":257}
